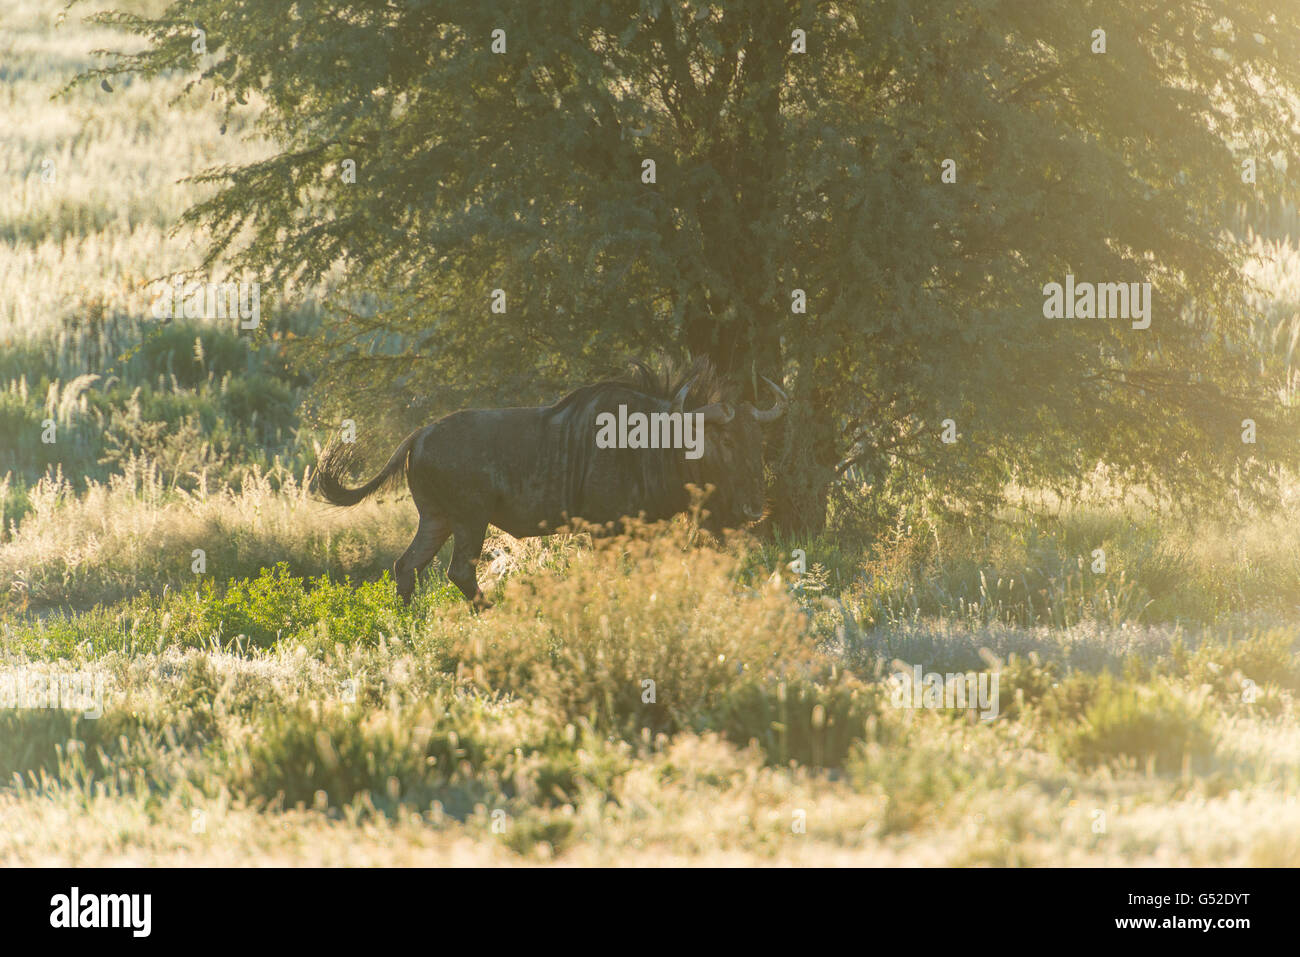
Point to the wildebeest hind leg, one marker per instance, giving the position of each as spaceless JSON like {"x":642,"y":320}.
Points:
{"x":438,"y":538}
{"x":464,"y":561}
{"x":428,"y":539}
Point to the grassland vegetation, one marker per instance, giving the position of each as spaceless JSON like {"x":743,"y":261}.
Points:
{"x":649,"y":698}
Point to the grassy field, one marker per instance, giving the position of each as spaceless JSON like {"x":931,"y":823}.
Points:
{"x":651,"y":699}
{"x":1146,"y":716}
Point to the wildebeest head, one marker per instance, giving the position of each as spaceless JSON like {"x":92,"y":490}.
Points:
{"x":733,"y":446}
{"x":732,"y":459}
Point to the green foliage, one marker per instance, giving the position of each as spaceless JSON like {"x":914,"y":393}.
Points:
{"x":202,"y":402}
{"x":449,"y":749}
{"x":1246,"y":669}
{"x":259,"y":612}
{"x":123,"y":748}
{"x":278,"y":605}
{"x":287,"y":691}
{"x":638,"y":636}
{"x":1101,"y":719}
{"x":1024,"y":681}
{"x":812,"y":724}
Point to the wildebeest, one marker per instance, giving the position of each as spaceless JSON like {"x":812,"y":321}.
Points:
{"x":530,"y":471}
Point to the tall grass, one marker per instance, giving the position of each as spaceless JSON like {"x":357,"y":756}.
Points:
{"x":139,"y":533}
{"x":614,"y":693}
{"x":637,"y":699}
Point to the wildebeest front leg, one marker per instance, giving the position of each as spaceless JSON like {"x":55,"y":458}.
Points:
{"x":464,"y":561}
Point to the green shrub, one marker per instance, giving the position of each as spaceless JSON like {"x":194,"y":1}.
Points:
{"x":1150,"y":725}
{"x":1268,"y":657}
{"x":640,"y":634}
{"x":810,"y":723}
{"x":277,"y":604}
{"x":193,"y":352}
{"x":125,"y":746}
{"x":458,"y":751}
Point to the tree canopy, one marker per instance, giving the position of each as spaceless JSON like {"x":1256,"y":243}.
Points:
{"x":544,"y":189}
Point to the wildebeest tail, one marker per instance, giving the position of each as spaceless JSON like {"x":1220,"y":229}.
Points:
{"x":334,"y":464}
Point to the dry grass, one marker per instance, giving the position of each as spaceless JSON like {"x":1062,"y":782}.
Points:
{"x":90,"y":240}
{"x":765,"y":742}
{"x":370,"y":734}
{"x":137,"y":534}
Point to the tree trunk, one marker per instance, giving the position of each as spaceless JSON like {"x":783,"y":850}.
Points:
{"x":801,"y":446}
{"x":802,"y":458}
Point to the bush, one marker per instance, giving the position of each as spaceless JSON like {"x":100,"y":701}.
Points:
{"x":458,"y":751}
{"x":277,"y":605}
{"x":192,"y":352}
{"x":640,"y":634}
{"x":1267,"y":657}
{"x":1153,"y":724}
{"x":125,"y":746}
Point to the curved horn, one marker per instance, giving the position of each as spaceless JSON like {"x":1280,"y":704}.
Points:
{"x":782,"y":400}
{"x":680,"y":398}
{"x":717,"y":412}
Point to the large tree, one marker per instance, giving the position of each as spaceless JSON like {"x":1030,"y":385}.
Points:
{"x":799,"y":148}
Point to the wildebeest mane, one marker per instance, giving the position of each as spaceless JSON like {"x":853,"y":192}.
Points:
{"x":661,"y":473}
{"x":663,"y":384}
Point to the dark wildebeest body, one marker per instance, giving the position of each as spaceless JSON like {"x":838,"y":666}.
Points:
{"x":530,"y":471}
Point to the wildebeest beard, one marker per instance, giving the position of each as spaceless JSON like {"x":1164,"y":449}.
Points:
{"x":531,"y":471}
